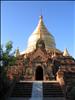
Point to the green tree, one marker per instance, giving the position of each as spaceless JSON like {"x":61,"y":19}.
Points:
{"x":8,"y":56}
{"x":8,"y":59}
{"x":8,"y":46}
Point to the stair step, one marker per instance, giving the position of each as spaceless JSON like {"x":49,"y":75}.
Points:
{"x":22,"y":89}
{"x":52,"y":89}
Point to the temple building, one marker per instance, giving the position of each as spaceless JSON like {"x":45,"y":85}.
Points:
{"x":42,"y":60}
{"x":42,"y":63}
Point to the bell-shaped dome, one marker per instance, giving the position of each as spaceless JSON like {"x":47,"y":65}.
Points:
{"x":41,"y":32}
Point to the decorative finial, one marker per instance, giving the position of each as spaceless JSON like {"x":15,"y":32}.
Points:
{"x":41,"y":17}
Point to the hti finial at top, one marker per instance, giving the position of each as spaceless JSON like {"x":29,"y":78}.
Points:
{"x":41,"y":17}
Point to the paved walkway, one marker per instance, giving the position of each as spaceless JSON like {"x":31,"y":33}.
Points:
{"x":37,"y":91}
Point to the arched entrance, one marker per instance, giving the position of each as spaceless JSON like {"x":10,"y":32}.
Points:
{"x":39,"y":73}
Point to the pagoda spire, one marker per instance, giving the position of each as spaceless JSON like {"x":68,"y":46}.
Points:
{"x":40,"y":33}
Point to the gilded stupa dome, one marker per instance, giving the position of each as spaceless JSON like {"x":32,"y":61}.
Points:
{"x":46,"y":36}
{"x":41,"y":33}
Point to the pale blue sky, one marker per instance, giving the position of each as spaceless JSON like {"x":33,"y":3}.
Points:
{"x":20,"y":18}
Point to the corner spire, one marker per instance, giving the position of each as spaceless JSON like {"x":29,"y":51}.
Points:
{"x":17,"y":52}
{"x":65,"y":53}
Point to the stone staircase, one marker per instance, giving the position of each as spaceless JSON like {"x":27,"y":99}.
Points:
{"x":37,"y":91}
{"x":53,"y":91}
{"x":22,"y":89}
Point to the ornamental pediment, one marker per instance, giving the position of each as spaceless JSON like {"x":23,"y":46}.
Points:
{"x":39,"y":54}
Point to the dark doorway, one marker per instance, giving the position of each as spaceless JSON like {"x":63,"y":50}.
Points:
{"x":39,"y":73}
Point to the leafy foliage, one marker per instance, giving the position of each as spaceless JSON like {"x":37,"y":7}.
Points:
{"x":7,"y":57}
{"x":8,"y":46}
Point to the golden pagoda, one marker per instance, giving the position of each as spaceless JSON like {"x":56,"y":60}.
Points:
{"x":41,"y":32}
